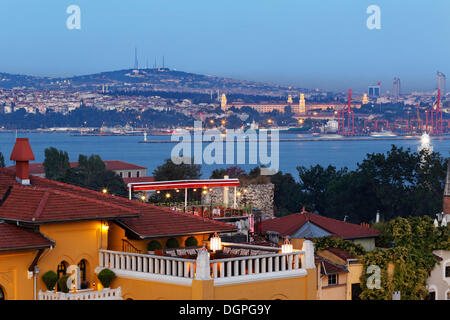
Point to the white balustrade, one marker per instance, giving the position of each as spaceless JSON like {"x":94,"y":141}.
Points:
{"x":186,"y":268}
{"x":105,"y":294}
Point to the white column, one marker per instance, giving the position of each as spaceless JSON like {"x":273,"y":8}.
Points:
{"x":203,"y":271}
{"x":185,"y":199}
{"x":235,"y":191}
{"x":225,"y":194}
{"x":308,"y":256}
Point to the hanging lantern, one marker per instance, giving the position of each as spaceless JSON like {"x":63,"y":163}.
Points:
{"x":215,"y":243}
{"x":287,"y":247}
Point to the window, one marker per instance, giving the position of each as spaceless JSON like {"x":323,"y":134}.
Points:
{"x":356,"y":291}
{"x":447,"y":271}
{"x":129,"y":174}
{"x":332,"y":279}
{"x":137,"y":173}
{"x":82,"y":266}
{"x":431,"y":296}
{"x":121,"y":174}
{"x":61,"y":270}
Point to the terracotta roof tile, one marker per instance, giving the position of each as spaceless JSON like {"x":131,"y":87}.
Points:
{"x":138,"y":179}
{"x":288,"y":225}
{"x":47,"y":200}
{"x":15,"y":238}
{"x":38,"y":167}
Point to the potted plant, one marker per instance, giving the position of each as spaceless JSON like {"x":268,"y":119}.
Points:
{"x":191,"y":242}
{"x":172,"y":243}
{"x":84,"y":285}
{"x":106,"y":276}
{"x":63,"y":285}
{"x":50,"y":279}
{"x":153,"y":245}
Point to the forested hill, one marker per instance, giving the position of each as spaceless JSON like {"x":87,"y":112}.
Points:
{"x":163,"y":79}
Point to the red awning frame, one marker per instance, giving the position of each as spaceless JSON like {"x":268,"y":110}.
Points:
{"x":182,"y":184}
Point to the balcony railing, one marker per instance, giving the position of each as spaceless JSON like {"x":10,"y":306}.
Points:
{"x":105,"y":294}
{"x":158,"y":268}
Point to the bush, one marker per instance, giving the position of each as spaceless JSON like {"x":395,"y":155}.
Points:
{"x":63,"y":283}
{"x":172,"y":243}
{"x":191,"y":242}
{"x":153,"y":245}
{"x":106,"y":276}
{"x":84,"y":285}
{"x":50,"y":279}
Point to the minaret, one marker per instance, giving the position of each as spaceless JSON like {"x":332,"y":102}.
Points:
{"x":302,"y":104}
{"x":365,"y":100}
{"x":223,"y":102}
{"x":289,"y":100}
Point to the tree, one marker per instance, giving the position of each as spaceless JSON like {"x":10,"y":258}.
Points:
{"x":314,"y":183}
{"x":56,"y":163}
{"x":91,"y":173}
{"x":2,"y":161}
{"x":287,"y":194}
{"x":171,"y":171}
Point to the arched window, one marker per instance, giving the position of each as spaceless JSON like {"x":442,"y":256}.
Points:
{"x":2,"y":294}
{"x":82,"y":266}
{"x":61,"y":270}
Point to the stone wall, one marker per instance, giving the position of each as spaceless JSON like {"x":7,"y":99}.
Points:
{"x":259,"y":196}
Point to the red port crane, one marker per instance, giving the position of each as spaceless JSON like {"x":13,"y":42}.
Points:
{"x":434,"y":119}
{"x":346,"y":118}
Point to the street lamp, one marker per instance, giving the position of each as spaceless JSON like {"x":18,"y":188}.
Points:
{"x":287,"y":247}
{"x":104,"y":190}
{"x":215,"y":243}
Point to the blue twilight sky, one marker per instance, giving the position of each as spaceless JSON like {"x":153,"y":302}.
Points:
{"x":306,"y":43}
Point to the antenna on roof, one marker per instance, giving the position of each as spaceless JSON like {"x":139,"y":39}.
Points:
{"x":136,"y":64}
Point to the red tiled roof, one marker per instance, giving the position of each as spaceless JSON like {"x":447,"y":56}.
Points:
{"x":341,"y":253}
{"x":38,"y":167}
{"x":50,"y":205}
{"x":52,"y":201}
{"x":327,"y":267}
{"x":121,"y":165}
{"x":138,"y":179}
{"x":16,"y":238}
{"x":159,"y":222}
{"x":288,"y":225}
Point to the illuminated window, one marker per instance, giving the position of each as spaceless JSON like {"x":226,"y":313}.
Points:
{"x":82,"y":266}
{"x":61,"y":270}
{"x":332,"y":279}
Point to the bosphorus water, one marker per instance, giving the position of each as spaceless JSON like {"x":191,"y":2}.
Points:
{"x":127,"y":148}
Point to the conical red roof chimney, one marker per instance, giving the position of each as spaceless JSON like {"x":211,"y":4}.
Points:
{"x":22,"y":154}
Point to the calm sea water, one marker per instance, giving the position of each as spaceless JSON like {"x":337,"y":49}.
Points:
{"x":150,"y":155}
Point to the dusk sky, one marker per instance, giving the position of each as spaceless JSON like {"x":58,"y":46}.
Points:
{"x":312,"y":44}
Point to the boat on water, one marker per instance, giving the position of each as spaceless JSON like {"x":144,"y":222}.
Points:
{"x":383,"y":134}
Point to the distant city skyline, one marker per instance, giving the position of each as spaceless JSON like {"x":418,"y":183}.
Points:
{"x":304,"y":44}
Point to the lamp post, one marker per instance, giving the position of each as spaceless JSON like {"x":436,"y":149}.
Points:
{"x":215,"y":243}
{"x":287,"y":247}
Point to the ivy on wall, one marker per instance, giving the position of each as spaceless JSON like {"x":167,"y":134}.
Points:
{"x":324,"y":243}
{"x":414,"y":240}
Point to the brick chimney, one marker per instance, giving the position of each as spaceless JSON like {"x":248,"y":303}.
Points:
{"x":22,"y":154}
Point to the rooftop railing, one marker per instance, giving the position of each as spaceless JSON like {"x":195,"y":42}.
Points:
{"x":156,"y":267}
